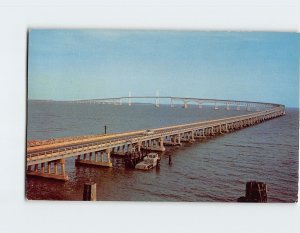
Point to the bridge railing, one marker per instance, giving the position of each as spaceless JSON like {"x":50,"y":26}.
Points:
{"x":225,"y":120}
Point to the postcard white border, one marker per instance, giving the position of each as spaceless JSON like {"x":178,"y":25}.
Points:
{"x":18,"y":215}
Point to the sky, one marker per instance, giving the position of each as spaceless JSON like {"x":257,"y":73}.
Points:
{"x":91,"y":64}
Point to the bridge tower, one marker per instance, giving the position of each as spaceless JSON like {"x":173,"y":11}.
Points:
{"x":216,"y":106}
{"x":172,"y":103}
{"x":199,"y":104}
{"x":157,"y":99}
{"x":185,"y":103}
{"x":129,"y":98}
{"x":248,"y":108}
{"x":227,"y":106}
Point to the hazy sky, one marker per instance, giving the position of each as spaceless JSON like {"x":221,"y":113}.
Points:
{"x":88,"y":64}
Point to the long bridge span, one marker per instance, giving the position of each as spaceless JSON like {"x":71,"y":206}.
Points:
{"x":183,"y":101}
{"x":46,"y":158}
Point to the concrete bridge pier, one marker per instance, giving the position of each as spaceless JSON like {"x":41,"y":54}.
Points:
{"x":226,"y":128}
{"x":119,"y":150}
{"x":216,"y":106}
{"x":220,"y":129}
{"x":202,"y":136}
{"x":188,"y":137}
{"x":257,"y":108}
{"x":227,"y":107}
{"x":183,"y":138}
{"x":99,"y":159}
{"x":185,"y":104}
{"x":212,"y":132}
{"x":198,"y":134}
{"x":154,"y":145}
{"x":171,"y":141}
{"x":177,"y":139}
{"x":49,"y":173}
{"x":192,"y":139}
{"x":138,"y":145}
{"x":174,"y":140}
{"x":172,"y":103}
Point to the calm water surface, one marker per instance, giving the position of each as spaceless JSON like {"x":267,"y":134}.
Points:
{"x":213,"y":170}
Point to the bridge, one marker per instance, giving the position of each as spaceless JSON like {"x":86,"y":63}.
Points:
{"x":46,"y":158}
{"x":183,"y":101}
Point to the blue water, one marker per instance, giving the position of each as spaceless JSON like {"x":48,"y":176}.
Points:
{"x":213,"y":170}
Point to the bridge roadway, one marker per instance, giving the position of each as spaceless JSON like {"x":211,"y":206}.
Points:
{"x":96,"y":150}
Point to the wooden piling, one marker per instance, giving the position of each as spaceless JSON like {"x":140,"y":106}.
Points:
{"x":255,"y":192}
{"x":170,"y":160}
{"x":158,"y":163}
{"x":89,"y":191}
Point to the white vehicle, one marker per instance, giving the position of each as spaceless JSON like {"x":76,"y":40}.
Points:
{"x":149,"y":161}
{"x":148,"y":132}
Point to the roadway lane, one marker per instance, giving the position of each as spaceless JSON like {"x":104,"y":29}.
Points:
{"x":102,"y":139}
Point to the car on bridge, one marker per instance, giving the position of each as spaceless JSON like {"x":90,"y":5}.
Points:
{"x":149,"y":131}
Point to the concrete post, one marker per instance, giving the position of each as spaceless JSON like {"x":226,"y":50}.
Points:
{"x":130,"y":148}
{"x":227,"y":106}
{"x":49,"y":167}
{"x":216,"y":107}
{"x":55,"y":168}
{"x":89,"y":192}
{"x":185,"y":105}
{"x":129,"y":98}
{"x":62,"y":163}
{"x":108,"y":155}
{"x":43,"y":167}
{"x":161,"y":142}
{"x":96,"y":156}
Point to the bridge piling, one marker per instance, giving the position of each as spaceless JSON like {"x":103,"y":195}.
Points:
{"x":89,"y":191}
{"x":95,"y":162}
{"x":48,"y":174}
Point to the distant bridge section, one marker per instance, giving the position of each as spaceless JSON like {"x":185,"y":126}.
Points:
{"x":182,"y":101}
